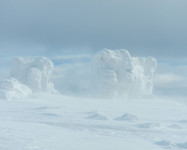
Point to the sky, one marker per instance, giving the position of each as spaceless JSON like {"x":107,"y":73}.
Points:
{"x":54,"y":28}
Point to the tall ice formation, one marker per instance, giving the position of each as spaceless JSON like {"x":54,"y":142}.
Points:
{"x":118,"y":74}
{"x":27,"y":75}
{"x":33,"y":72}
{"x":115,"y":74}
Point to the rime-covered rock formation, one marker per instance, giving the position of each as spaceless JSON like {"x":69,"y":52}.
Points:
{"x":117,"y":74}
{"x":12,"y":88}
{"x":28,"y":75}
{"x":33,"y":72}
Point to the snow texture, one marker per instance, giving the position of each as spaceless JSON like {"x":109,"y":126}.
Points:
{"x":57,"y":122}
{"x":28,"y":75}
{"x":117,"y":74}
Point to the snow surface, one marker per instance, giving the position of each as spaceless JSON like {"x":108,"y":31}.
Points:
{"x":56,"y":122}
{"x":117,"y":74}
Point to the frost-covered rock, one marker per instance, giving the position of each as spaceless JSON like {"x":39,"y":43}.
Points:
{"x":13,"y":89}
{"x":28,"y":75}
{"x":119,"y":74}
{"x":33,"y":72}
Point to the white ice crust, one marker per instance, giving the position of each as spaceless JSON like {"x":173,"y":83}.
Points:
{"x":118,"y":74}
{"x":28,"y":75}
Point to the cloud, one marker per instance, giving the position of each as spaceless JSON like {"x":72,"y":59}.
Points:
{"x":165,"y":79}
{"x":171,"y":78}
{"x":79,"y":58}
{"x":143,"y":27}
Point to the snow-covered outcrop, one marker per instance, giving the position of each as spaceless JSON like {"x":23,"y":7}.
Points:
{"x":12,"y":88}
{"x":28,"y":75}
{"x":33,"y":72}
{"x":117,"y":74}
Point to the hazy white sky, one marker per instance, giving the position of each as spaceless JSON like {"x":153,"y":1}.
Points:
{"x":43,"y":27}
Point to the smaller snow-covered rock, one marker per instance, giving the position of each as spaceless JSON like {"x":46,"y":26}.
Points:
{"x":13,"y":89}
{"x":96,"y":116}
{"x":126,"y":117}
{"x":175,"y":126}
{"x":182,"y":145}
{"x":165,"y":143}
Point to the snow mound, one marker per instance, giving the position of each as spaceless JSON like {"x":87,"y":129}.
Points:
{"x":175,"y":126}
{"x":96,"y":116}
{"x":119,"y":74}
{"x":12,"y":88}
{"x":182,"y":145}
{"x":126,"y":117}
{"x":165,"y":143}
{"x":33,"y":72}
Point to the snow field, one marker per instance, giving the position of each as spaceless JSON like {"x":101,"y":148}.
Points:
{"x":60,"y":122}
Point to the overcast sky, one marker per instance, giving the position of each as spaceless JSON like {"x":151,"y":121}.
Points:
{"x":44,"y":27}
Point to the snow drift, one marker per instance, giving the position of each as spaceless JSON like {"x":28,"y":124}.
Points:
{"x":117,"y":74}
{"x":28,"y":75}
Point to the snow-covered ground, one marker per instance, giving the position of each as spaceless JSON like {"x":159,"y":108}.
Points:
{"x":57,"y":122}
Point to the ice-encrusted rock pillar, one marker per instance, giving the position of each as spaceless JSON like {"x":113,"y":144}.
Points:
{"x":33,"y":72}
{"x":117,"y":74}
{"x":28,"y":75}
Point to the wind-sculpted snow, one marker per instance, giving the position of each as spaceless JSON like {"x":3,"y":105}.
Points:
{"x":28,"y":75}
{"x":117,"y":74}
{"x":12,"y":88}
